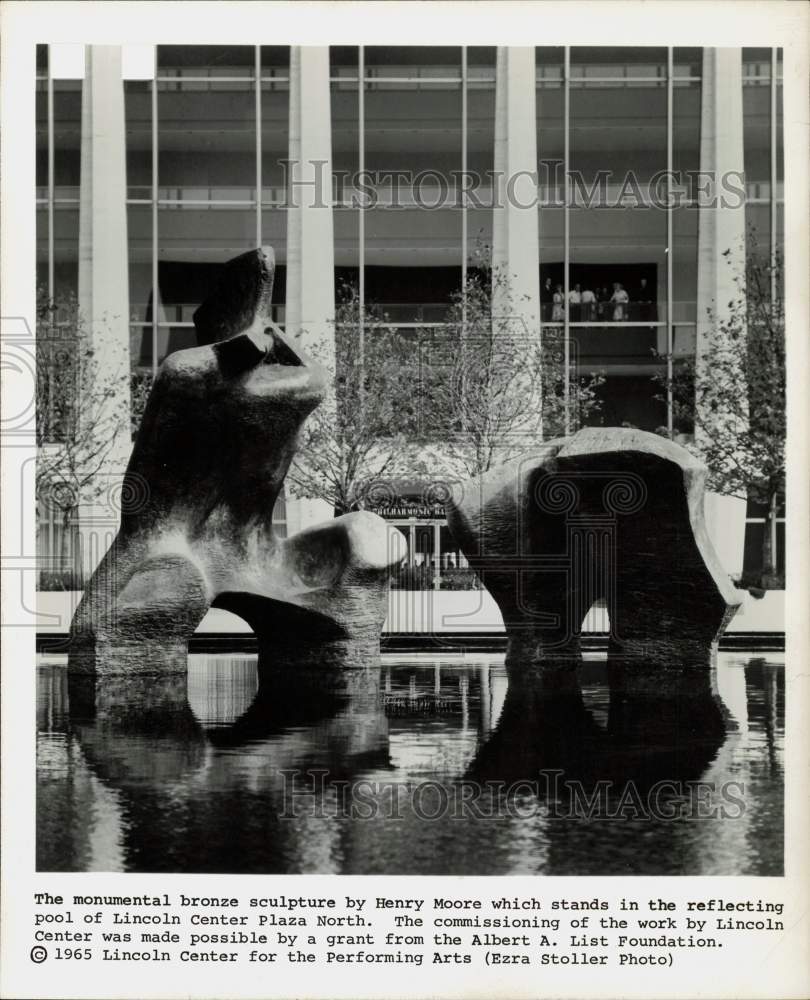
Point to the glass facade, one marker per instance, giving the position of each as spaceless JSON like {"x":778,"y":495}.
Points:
{"x":413,"y":136}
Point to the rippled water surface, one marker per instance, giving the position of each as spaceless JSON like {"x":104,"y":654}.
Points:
{"x":425,"y":766}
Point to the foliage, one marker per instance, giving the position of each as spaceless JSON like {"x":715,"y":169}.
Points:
{"x":496,"y":388}
{"x":359,"y":433}
{"x":65,"y":580}
{"x":140,"y":385}
{"x":78,"y":419}
{"x":452,"y":400}
{"x":732,"y":394}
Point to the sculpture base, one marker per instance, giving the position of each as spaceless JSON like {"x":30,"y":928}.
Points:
{"x":146,"y":658}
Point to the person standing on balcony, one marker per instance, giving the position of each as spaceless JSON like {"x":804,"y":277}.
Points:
{"x":602,"y":303}
{"x":588,"y":305}
{"x":575,"y":303}
{"x":621,"y":301}
{"x":547,"y":299}
{"x":558,"y":307}
{"x":645,"y":303}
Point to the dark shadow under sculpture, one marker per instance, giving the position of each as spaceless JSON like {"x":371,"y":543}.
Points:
{"x":610,"y":514}
{"x":217,"y":437}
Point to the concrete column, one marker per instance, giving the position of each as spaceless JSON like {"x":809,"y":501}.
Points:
{"x":310,"y":305}
{"x":104,"y":283}
{"x":721,"y":263}
{"x":515,"y":233}
{"x":103,"y":261}
{"x":720,"y":228}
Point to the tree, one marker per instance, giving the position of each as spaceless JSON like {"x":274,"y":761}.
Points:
{"x":360,"y":432}
{"x":78,"y":420}
{"x":450,"y":401}
{"x":732,"y":395}
{"x":496,"y":388}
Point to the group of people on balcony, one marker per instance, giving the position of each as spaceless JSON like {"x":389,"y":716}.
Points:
{"x":597,"y":305}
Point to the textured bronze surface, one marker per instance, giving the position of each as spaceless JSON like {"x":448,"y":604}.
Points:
{"x":612,"y":515}
{"x":218,"y":435}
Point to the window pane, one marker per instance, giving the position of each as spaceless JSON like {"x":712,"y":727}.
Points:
{"x":41,"y":99}
{"x":413,"y":254}
{"x":684,"y":264}
{"x":551,"y":264}
{"x":408,"y":60}
{"x":413,"y":130}
{"x":139,"y":238}
{"x":618,"y":63}
{"x":413,"y":262}
{"x":550,"y":142}
{"x":780,"y":139}
{"x":138,"y":111}
{"x":757,"y":139}
{"x":42,"y":248}
{"x":758,"y":232}
{"x":67,"y":113}
{"x":347,"y":247}
{"x":480,"y":164}
{"x":343,"y":60}
{"x":549,"y":64}
{"x":345,"y":134}
{"x":206,"y":143}
{"x":481,"y":55}
{"x":684,"y":340}
{"x":205,"y":60}
{"x":756,"y":63}
{"x":687,"y":62}
{"x":619,"y":130}
{"x":275,"y":142}
{"x":275,"y":60}
{"x":686,"y":127}
{"x":66,"y":251}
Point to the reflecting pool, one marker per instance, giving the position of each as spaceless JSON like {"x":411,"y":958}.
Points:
{"x":427,"y":765}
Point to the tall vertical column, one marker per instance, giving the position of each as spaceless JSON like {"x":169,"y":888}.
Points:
{"x":103,"y":263}
{"x":721,"y":262}
{"x":515,"y":231}
{"x":310,"y":305}
{"x":103,"y":295}
{"x":721,"y":228}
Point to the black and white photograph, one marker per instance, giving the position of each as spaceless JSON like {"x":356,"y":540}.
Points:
{"x":410,"y":492}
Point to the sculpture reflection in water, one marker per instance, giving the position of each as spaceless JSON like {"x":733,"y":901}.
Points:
{"x":144,"y":740}
{"x":270,"y":783}
{"x":647,"y":735}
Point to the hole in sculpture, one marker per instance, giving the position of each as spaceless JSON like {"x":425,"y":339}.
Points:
{"x":279,"y":353}
{"x":597,"y":619}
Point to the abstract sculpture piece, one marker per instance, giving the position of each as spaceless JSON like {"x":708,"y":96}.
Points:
{"x":610,"y":513}
{"x":217,"y":437}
